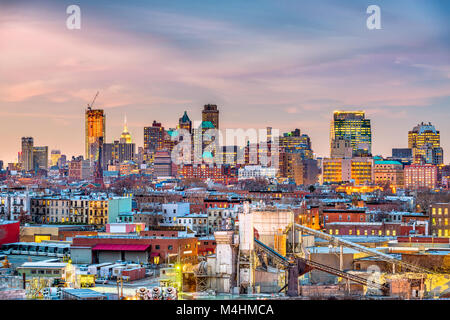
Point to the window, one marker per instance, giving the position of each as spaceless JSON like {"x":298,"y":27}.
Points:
{"x":33,"y":271}
{"x":157,"y":247}
{"x":394,"y":232}
{"x":41,"y":272}
{"x":170,"y":247}
{"x":350,"y":232}
{"x":336,"y":232}
{"x":380,"y":233}
{"x":48,"y":271}
{"x":365,"y":232}
{"x":358,"y":232}
{"x":388,"y":232}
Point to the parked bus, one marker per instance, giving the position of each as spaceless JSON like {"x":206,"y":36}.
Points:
{"x":33,"y":249}
{"x":8,"y":247}
{"x":51,"y":251}
{"x":42,"y":250}
{"x":23,"y":249}
{"x":62,"y":250}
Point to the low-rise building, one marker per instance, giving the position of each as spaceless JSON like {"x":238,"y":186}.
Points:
{"x":439,"y":219}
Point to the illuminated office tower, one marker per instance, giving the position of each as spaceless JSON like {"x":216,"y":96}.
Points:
{"x":210,"y":113}
{"x":40,"y":158}
{"x":154,"y":137}
{"x":54,"y":157}
{"x":295,"y":142}
{"x":424,"y":140}
{"x":353,"y":127}
{"x":95,"y":132}
{"x":27,"y":153}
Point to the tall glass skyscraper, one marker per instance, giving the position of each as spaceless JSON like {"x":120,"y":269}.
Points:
{"x":353,"y":127}
{"x":425,"y":142}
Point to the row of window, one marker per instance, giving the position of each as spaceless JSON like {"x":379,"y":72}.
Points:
{"x":439,"y":211}
{"x":36,"y":271}
{"x":366,"y":233}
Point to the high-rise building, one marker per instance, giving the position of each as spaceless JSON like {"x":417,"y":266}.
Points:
{"x":185,"y":123}
{"x":353,"y":127}
{"x":423,"y":139}
{"x":62,"y":161}
{"x":295,"y":142}
{"x":40,"y":158}
{"x":210,"y":113}
{"x":154,"y":137}
{"x":117,"y":152}
{"x":54,"y":157}
{"x":27,"y":153}
{"x":95,"y":132}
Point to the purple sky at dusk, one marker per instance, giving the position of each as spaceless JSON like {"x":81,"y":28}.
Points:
{"x":285,"y":64}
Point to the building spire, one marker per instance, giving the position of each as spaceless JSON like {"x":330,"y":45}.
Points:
{"x":125,"y":127}
{"x":125,"y":137}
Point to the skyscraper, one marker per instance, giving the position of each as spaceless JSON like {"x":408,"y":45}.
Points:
{"x":424,"y":140}
{"x":154,"y":137}
{"x":54,"y":157}
{"x":40,"y":158}
{"x":185,"y":123}
{"x":353,"y":127}
{"x":211,"y":114}
{"x":95,"y":132}
{"x":27,"y":153}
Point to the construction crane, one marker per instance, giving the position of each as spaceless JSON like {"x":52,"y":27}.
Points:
{"x":93,"y":100}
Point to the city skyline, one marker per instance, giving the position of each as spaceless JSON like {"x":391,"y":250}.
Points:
{"x":282,"y":69}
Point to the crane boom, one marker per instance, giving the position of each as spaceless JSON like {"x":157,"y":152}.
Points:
{"x":93,"y":100}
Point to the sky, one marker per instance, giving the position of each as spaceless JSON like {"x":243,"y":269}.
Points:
{"x":280,"y":63}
